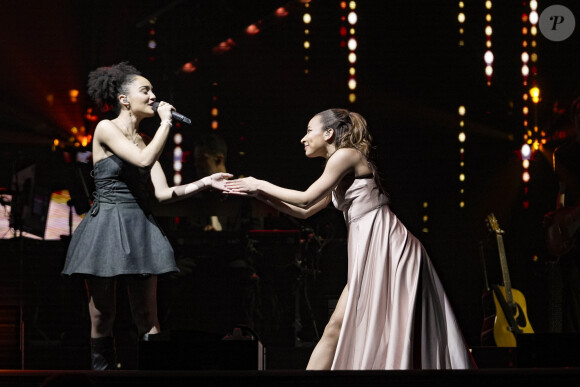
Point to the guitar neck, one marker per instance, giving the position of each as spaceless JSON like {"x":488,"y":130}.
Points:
{"x":504,"y":270}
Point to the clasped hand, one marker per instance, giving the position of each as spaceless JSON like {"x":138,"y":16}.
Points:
{"x":245,"y":186}
{"x":218,"y":180}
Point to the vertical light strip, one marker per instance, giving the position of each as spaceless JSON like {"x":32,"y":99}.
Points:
{"x":425,"y":228}
{"x":462,"y":138}
{"x":307,"y":19}
{"x":151,"y":42}
{"x":488,"y":56}
{"x":214,"y":109}
{"x":526,"y":152}
{"x":352,"y":45}
{"x":533,"y":138}
{"x":177,"y":158}
{"x":461,"y":20}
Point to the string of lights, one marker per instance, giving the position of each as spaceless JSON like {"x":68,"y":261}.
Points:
{"x":533,"y":138}
{"x":348,"y":34}
{"x":461,"y":135}
{"x":488,"y":57}
{"x":306,"y":19}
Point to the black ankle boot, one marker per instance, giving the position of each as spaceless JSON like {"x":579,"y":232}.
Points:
{"x":103,"y":354}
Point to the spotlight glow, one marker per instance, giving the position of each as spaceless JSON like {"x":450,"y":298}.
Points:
{"x":352,"y":18}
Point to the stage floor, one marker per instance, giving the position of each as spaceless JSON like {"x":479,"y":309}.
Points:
{"x":482,"y":377}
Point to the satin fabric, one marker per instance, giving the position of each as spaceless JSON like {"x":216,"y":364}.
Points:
{"x":397,"y":314}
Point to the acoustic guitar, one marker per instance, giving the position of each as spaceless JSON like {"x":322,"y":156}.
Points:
{"x":510,"y":303}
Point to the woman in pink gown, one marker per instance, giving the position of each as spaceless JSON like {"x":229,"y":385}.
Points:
{"x":393,"y":312}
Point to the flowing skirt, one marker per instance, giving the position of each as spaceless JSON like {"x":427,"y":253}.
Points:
{"x":397,"y":314}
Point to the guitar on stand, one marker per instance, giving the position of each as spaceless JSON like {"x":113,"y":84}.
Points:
{"x":510,"y":303}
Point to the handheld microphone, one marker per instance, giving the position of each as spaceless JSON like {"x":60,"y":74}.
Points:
{"x":176,"y":116}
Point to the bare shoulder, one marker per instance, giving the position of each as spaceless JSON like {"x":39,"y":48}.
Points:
{"x":104,"y":127}
{"x":346,"y":155}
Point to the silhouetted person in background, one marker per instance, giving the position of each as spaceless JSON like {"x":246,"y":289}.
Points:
{"x":567,"y":222}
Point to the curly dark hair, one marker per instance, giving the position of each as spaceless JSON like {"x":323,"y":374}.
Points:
{"x":105,"y":84}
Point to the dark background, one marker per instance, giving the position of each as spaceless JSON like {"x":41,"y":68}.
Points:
{"x":412,"y":76}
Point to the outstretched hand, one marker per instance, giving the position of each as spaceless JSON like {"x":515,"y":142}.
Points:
{"x":245,"y":186}
{"x":218,"y":180}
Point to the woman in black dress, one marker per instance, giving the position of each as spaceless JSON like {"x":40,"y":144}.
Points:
{"x":119,"y":236}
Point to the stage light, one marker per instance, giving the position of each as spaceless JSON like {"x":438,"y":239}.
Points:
{"x":73,"y":94}
{"x":525,"y":70}
{"x":462,"y":137}
{"x":352,"y":84}
{"x":177,"y":179}
{"x":526,"y":163}
{"x":534,"y":18}
{"x":252,"y":29}
{"x":152,"y":44}
{"x":352,"y":58}
{"x":461,"y":17}
{"x":177,"y":138}
{"x":488,"y":71}
{"x":461,"y":177}
{"x":526,"y":152}
{"x":177,"y":153}
{"x":535,"y":94}
{"x":352,"y":18}
{"x":306,"y":18}
{"x":461,"y":110}
{"x":526,"y":176}
{"x":525,"y":57}
{"x":488,"y":57}
{"x":352,"y":98}
{"x":352,"y":44}
{"x":488,"y":30}
{"x":306,"y":44}
{"x":188,"y":67}
{"x":281,"y":12}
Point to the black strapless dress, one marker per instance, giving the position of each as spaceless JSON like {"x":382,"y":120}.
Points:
{"x":119,"y":236}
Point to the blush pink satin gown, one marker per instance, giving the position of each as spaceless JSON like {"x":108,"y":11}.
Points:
{"x":397,"y":314}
